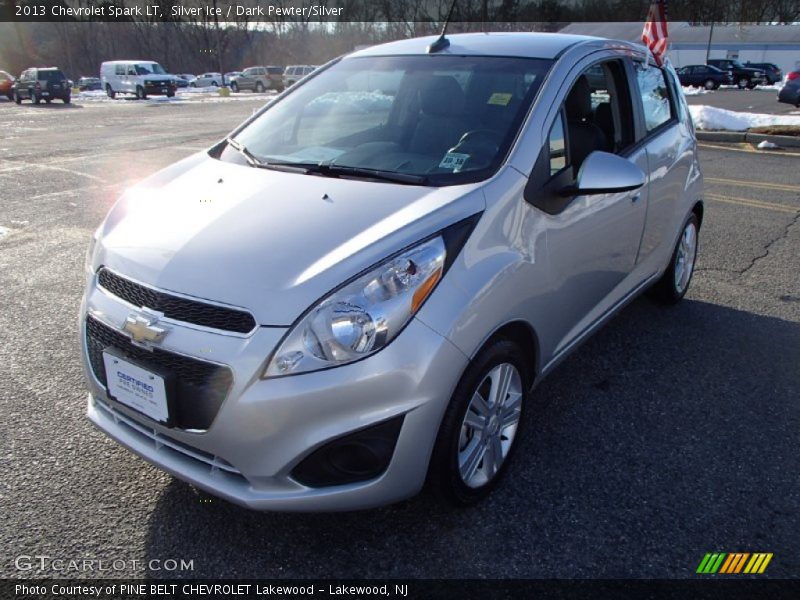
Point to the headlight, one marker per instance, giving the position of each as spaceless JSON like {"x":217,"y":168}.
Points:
{"x":364,"y":315}
{"x":87,"y":263}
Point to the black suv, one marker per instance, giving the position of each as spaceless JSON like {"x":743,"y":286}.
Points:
{"x":771,"y":70}
{"x":42,"y":84}
{"x":744,"y":77}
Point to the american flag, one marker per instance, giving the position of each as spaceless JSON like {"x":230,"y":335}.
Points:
{"x":655,"y":33}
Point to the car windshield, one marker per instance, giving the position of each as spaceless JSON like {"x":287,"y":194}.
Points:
{"x":150,"y":69}
{"x":441,"y":120}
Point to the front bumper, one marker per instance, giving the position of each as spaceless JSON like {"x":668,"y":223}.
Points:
{"x":264,"y":428}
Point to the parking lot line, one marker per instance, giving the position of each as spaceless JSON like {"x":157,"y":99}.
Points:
{"x":754,"y":184}
{"x":749,"y":149}
{"x":753,"y":203}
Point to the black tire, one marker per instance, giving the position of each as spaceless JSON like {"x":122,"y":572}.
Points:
{"x":444,"y":476}
{"x":666,"y":290}
{"x":751,"y":86}
{"x":214,"y":83}
{"x":140,"y":93}
{"x":17,"y":99}
{"x":170,"y":94}
{"x":11,"y":95}
{"x":48,"y":100}
{"x":742,"y":83}
{"x":259,"y":87}
{"x":66,"y":99}
{"x":193,"y":84}
{"x":234,"y":87}
{"x":110,"y":92}
{"x":35,"y":99}
{"x":710,"y":84}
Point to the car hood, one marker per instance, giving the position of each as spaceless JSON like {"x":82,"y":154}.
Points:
{"x":268,"y":241}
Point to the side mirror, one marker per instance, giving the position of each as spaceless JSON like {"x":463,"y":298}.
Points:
{"x":605,"y":173}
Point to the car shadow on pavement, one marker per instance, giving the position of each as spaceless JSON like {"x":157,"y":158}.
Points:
{"x":671,"y":433}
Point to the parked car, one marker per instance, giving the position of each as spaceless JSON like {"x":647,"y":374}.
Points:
{"x":207,"y":80}
{"x":230,"y":75}
{"x":6,"y":85}
{"x":772,"y":71}
{"x":295,"y":73}
{"x":426,"y":258}
{"x":187,"y":77}
{"x":39,"y":84}
{"x":89,"y":84}
{"x":258,"y":79}
{"x":704,"y":76}
{"x":744,"y":77}
{"x":790,"y":92}
{"x":140,"y":77}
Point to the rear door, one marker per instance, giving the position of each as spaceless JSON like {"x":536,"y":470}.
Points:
{"x":670,"y":151}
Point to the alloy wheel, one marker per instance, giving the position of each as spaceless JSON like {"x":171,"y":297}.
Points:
{"x":490,"y":425}
{"x":685,"y":257}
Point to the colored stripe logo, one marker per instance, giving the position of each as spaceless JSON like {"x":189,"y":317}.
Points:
{"x":734,"y":563}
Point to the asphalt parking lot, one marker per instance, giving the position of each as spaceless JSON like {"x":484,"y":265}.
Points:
{"x":672,"y":433}
{"x":759,"y":100}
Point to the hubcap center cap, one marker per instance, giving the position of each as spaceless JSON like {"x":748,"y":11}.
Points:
{"x":493,"y":426}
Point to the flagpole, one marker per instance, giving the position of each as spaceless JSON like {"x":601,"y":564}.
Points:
{"x":708,"y":47}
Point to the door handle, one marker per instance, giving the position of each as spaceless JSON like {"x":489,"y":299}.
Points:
{"x":635,"y":198}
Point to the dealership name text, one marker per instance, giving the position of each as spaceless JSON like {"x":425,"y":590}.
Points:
{"x":189,"y":589}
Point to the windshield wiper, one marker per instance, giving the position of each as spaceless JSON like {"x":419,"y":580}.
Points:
{"x":329,"y":170}
{"x":252,"y":160}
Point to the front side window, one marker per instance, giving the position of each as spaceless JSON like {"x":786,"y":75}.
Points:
{"x":557,"y":146}
{"x":655,"y":96}
{"x":442,"y":119}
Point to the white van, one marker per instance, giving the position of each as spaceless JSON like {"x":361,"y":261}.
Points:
{"x":139,"y":77}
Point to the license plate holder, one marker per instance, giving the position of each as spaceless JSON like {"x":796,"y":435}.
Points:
{"x":146,"y":390}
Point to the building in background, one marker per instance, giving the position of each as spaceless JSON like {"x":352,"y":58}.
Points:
{"x":779,"y":44}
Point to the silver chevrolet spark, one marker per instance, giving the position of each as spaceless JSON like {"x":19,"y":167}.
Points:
{"x":357,"y":290}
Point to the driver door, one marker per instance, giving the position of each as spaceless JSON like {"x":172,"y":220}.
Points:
{"x":592,"y":240}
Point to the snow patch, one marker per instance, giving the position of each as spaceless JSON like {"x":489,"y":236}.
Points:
{"x":711,"y":117}
{"x":694,"y":91}
{"x":4,"y":231}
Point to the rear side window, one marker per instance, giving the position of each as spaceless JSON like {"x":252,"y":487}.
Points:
{"x":655,"y":96}
{"x":51,"y":76}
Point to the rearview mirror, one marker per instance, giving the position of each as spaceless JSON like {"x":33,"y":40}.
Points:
{"x":605,"y":173}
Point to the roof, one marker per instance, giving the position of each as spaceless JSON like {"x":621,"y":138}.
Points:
{"x":524,"y":45}
{"x":681,"y":32}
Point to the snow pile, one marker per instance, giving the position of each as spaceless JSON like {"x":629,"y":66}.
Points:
{"x":694,"y":91}
{"x":712,"y":118}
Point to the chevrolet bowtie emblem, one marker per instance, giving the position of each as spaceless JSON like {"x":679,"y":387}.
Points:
{"x":142,"y":329}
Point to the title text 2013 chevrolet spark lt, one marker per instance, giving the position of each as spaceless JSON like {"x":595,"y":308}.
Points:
{"x":356,"y":291}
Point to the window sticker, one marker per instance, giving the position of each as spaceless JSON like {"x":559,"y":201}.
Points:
{"x":499,"y":99}
{"x":453,"y":160}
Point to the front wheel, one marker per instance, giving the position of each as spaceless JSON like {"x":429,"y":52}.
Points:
{"x":17,"y":99}
{"x":66,"y":99}
{"x":35,"y":98}
{"x":710,"y":84}
{"x":110,"y":92}
{"x":234,"y":87}
{"x":259,"y":87}
{"x":743,"y":83}
{"x":481,"y":423}
{"x":140,"y":94}
{"x":674,"y":283}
